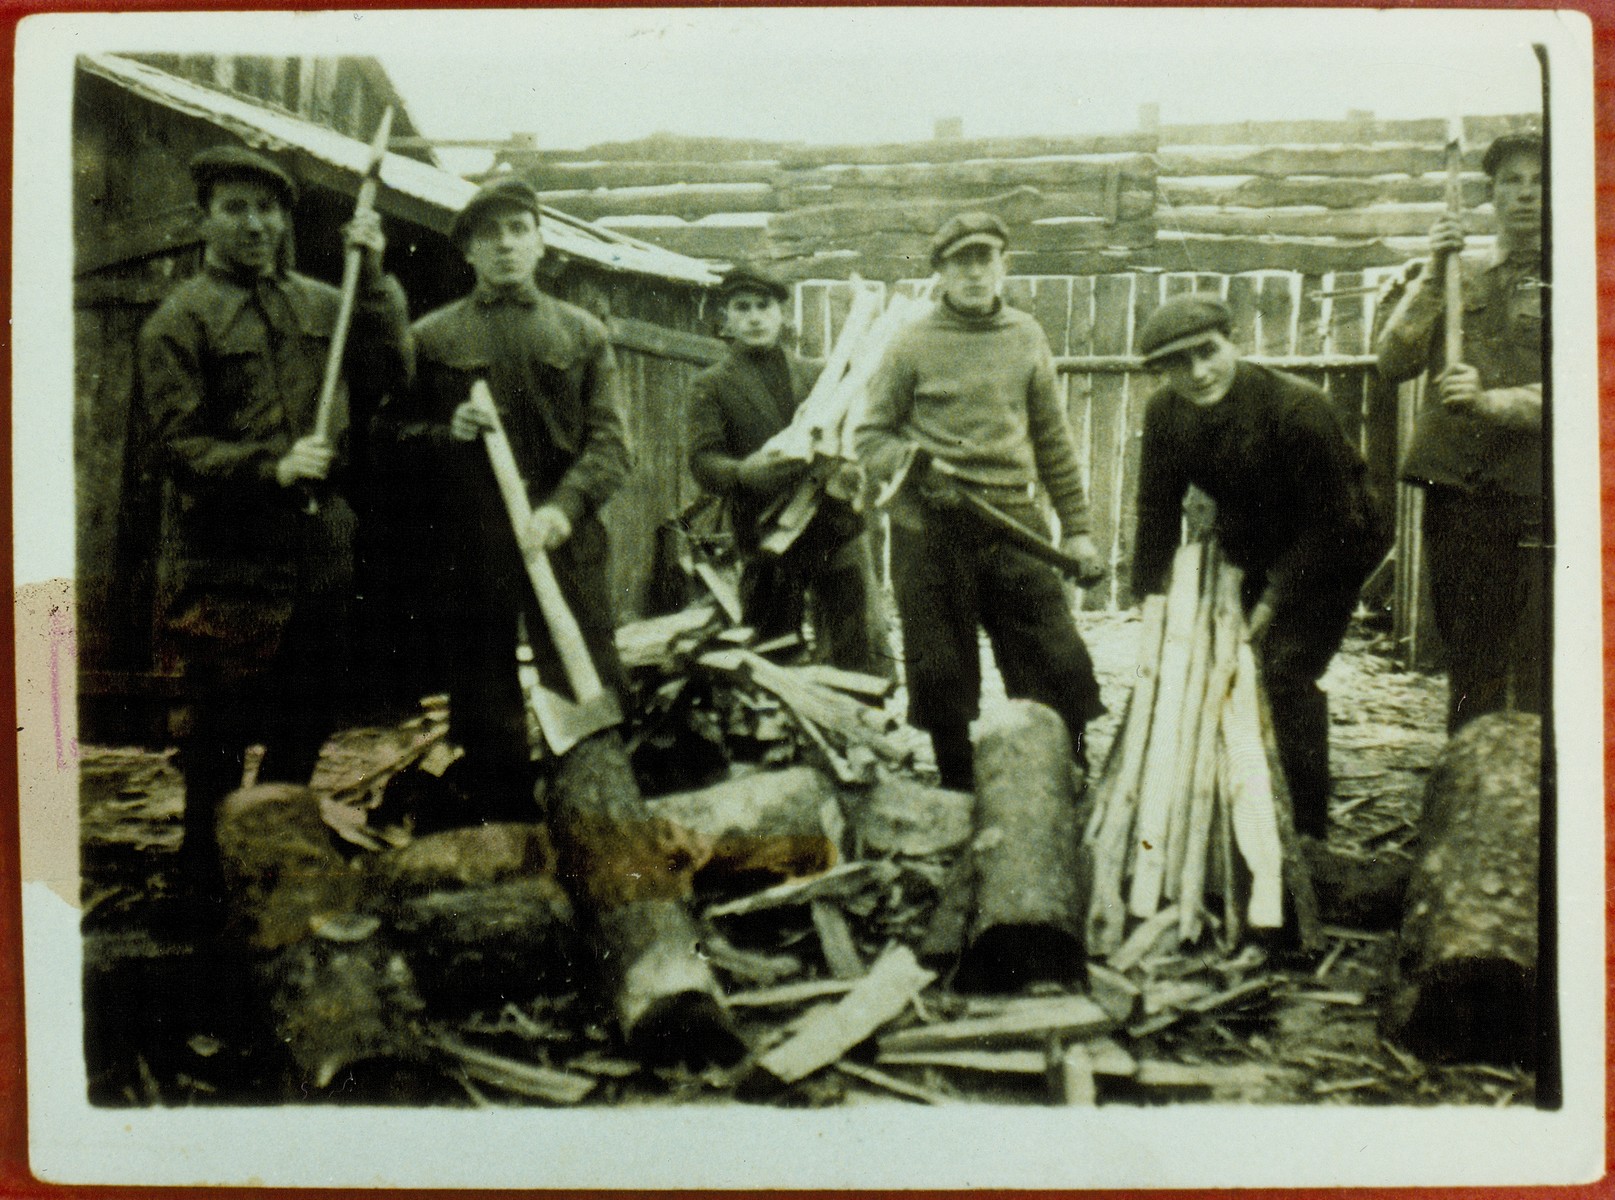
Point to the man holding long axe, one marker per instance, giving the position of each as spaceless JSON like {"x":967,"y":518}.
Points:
{"x":963,"y":420}
{"x":231,"y":372}
{"x":512,"y":366}
{"x":1477,"y":448}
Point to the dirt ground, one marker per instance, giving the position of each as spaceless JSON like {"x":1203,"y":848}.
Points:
{"x":168,"y":1025}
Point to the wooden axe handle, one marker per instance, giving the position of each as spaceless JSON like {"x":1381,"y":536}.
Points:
{"x":563,"y":626}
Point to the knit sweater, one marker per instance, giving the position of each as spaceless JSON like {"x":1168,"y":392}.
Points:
{"x":978,"y":393}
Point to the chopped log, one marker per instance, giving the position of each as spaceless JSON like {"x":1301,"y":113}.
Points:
{"x":782,"y":803}
{"x":469,"y":947}
{"x":835,"y":940}
{"x":1118,"y":794}
{"x":1465,"y":980}
{"x":1020,"y":1023}
{"x":475,"y":856}
{"x":629,"y":874}
{"x":1280,"y":161}
{"x":1377,"y":221}
{"x":831,"y":1030}
{"x":1032,"y":878}
{"x":337,"y":993}
{"x":901,"y":815}
{"x":1160,"y":766}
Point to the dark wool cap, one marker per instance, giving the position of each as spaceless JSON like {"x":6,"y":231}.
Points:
{"x":744,"y":278}
{"x":1182,"y":322}
{"x":1510,"y":143}
{"x":967,"y":229}
{"x":229,"y":162}
{"x":506,"y":192}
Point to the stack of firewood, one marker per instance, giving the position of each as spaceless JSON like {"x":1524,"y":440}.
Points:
{"x":1192,"y":799}
{"x":821,"y":430}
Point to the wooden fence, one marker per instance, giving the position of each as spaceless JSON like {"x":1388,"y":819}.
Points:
{"x":1316,"y":326}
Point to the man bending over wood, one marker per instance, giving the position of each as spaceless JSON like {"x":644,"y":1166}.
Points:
{"x":230,"y":371}
{"x":1294,"y":513}
{"x":735,"y":407}
{"x":555,"y":390}
{"x":965,"y":401}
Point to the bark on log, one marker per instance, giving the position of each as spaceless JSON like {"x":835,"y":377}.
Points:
{"x":629,"y":874}
{"x":1033,"y":875}
{"x":1465,"y":979}
{"x":336,"y":992}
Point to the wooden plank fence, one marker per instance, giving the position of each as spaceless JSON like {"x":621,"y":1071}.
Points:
{"x":1317,"y":326}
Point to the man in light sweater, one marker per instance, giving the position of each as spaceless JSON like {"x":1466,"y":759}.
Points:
{"x":965,"y":400}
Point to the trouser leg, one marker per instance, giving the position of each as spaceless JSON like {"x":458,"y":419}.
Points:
{"x":1478,"y":584}
{"x":934,"y":582}
{"x":770,"y":597}
{"x":846,"y":610}
{"x":1035,"y":640}
{"x":486,"y":714}
{"x":1304,"y":636}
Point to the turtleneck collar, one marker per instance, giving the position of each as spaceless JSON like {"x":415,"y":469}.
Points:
{"x":982,"y":319}
{"x":525,"y":293}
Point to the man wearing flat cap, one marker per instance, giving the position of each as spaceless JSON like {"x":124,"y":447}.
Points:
{"x":1294,"y":512}
{"x":734,"y":408}
{"x":555,"y":388}
{"x":229,"y":372}
{"x":965,"y":401}
{"x":1477,"y":449}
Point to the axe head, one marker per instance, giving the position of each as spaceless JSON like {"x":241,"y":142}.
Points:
{"x":565,"y":722}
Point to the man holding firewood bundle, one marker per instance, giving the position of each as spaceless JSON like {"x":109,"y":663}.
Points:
{"x":231,"y":372}
{"x":1477,"y":449}
{"x":1294,"y":513}
{"x":735,"y":407}
{"x":964,"y":403}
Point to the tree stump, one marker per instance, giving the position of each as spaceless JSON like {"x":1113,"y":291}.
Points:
{"x":338,"y":994}
{"x":1465,"y":978}
{"x":1032,"y":875}
{"x":629,"y":874}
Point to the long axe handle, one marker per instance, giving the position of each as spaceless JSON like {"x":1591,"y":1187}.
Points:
{"x":563,"y":626}
{"x":349,"y":292}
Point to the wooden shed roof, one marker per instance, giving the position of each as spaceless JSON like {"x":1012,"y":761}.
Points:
{"x":413,"y":190}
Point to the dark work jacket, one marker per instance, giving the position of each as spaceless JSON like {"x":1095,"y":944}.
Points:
{"x":1502,"y":340}
{"x":228,"y":372}
{"x":1293,"y":503}
{"x":734,"y":407}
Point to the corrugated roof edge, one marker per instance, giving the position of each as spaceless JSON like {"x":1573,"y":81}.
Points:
{"x":267,"y":128}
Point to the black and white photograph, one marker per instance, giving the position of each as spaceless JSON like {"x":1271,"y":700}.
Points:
{"x":717,"y":598}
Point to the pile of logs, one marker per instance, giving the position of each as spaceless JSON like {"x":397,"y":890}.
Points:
{"x":821,"y":430}
{"x":1194,"y":775}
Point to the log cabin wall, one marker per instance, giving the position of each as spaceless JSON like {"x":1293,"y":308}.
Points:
{"x":136,"y":236}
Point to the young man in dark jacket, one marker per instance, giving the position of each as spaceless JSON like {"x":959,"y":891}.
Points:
{"x":555,"y":390}
{"x":229,"y":373}
{"x":734,"y":408}
{"x":1293,"y":512}
{"x":1477,"y":449}
{"x":965,"y":400}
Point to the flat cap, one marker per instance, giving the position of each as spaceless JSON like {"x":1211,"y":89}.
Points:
{"x":230,"y":162}
{"x":507,"y":191}
{"x":1182,"y":322}
{"x":1509,"y":143}
{"x":746,"y":278}
{"x":967,"y":229}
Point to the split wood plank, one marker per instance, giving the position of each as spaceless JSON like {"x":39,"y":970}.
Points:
{"x":839,"y":882}
{"x":1106,"y":1054}
{"x":1021,"y":1022}
{"x":835,"y":940}
{"x":887,"y":1083}
{"x":790,"y":993}
{"x":1250,"y":788}
{"x":514,"y":1075}
{"x":1160,"y":767}
{"x":829,"y":1031}
{"x":1077,"y":1088}
{"x":1143,"y":939}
